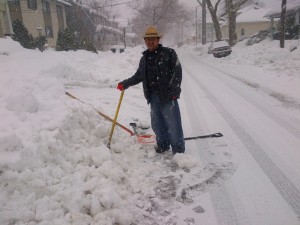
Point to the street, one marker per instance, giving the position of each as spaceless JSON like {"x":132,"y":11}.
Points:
{"x":260,"y":144}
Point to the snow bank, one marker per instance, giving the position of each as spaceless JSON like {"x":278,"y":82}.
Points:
{"x":257,"y":64}
{"x":55,"y":167}
{"x":266,"y":54}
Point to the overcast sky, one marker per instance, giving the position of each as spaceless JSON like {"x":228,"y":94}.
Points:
{"x":269,"y":3}
{"x":123,"y":12}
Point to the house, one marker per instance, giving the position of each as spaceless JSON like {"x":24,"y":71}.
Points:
{"x":292,"y":16}
{"x":126,"y":27}
{"x":40,"y":17}
{"x":84,"y":20}
{"x":249,"y":21}
{"x":95,"y":25}
{"x":192,"y":34}
{"x":109,"y":34}
{"x":5,"y":22}
{"x":47,"y":17}
{"x":210,"y":31}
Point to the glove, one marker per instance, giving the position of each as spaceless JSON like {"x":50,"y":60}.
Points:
{"x":120,"y":87}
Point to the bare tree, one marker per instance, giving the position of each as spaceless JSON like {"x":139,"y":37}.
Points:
{"x":230,"y":10}
{"x":282,"y":23}
{"x":203,"y":22}
{"x":232,"y":7}
{"x":258,"y":3}
{"x":161,"y":13}
{"x":213,"y":12}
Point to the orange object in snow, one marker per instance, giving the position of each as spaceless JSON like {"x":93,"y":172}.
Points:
{"x":143,"y":139}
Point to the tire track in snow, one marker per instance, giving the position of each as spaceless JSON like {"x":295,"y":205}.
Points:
{"x":285,"y":187}
{"x":223,"y":207}
{"x":292,"y":128}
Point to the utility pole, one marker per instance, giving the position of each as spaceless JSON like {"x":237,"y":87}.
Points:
{"x":124,"y":37}
{"x":282,"y":23}
{"x":203,"y":22}
{"x":196,"y":26}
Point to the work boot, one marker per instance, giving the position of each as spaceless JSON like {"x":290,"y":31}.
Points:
{"x":179,"y":151}
{"x":161,"y":150}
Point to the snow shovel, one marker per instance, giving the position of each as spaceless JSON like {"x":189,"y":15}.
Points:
{"x":115,"y":119}
{"x":142,"y":138}
{"x":102,"y":114}
{"x":204,"y":136}
{"x":151,"y":138}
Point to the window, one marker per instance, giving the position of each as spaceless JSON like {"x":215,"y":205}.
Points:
{"x":46,"y":6}
{"x":14,"y":2}
{"x":242,"y":31}
{"x":32,"y":4}
{"x":15,"y":10}
{"x":48,"y":31}
{"x":47,"y":19}
{"x":60,"y":16}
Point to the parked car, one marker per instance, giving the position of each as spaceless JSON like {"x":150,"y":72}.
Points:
{"x":288,"y":36}
{"x":258,"y":37}
{"x":180,"y":44}
{"x":219,"y":49}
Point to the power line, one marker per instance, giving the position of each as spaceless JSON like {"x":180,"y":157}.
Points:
{"x":119,"y":3}
{"x":105,"y":6}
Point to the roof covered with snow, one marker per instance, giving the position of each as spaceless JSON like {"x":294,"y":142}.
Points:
{"x":122,"y":22}
{"x":252,"y":14}
{"x":290,"y":8}
{"x":64,"y":2}
{"x":107,"y":28}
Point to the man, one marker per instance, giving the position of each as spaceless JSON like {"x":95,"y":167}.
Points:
{"x":160,"y":71}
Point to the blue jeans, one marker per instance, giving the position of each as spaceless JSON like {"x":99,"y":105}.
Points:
{"x":166,"y":124}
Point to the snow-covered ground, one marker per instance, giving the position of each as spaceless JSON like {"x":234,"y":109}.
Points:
{"x":55,"y":167}
{"x":280,"y":68}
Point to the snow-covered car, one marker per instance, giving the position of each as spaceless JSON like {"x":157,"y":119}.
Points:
{"x":258,"y":37}
{"x":219,"y":49}
{"x":180,"y":44}
{"x":287,"y":35}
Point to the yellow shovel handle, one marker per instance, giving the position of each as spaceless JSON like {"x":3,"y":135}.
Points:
{"x":115,"y":119}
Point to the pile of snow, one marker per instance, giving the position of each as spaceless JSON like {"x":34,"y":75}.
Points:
{"x":265,"y":61}
{"x":55,"y":167}
{"x":269,"y":55}
{"x":266,"y":54}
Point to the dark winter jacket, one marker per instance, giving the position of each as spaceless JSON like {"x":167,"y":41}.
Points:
{"x":169,"y":75}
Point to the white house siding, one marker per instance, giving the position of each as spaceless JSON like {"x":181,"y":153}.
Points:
{"x":210,"y":32}
{"x":5,"y":25}
{"x":251,"y":19}
{"x":2,"y":18}
{"x":32,"y":19}
{"x":251,"y":28}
